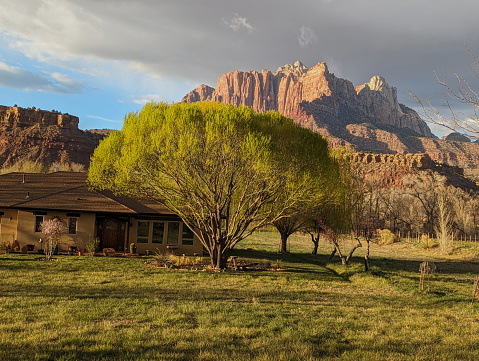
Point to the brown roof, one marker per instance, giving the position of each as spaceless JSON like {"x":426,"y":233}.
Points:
{"x":68,"y":191}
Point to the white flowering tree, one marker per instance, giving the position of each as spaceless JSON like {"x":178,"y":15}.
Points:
{"x":52,"y":230}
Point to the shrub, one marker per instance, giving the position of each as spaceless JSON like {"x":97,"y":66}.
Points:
{"x":385,"y":236}
{"x":93,"y":246}
{"x":427,"y":242}
{"x":173,"y":261}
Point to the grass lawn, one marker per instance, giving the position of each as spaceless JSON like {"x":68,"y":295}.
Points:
{"x":99,"y":308}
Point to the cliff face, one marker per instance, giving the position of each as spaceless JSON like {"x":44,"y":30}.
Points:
{"x":314,"y":97}
{"x":43,"y":137}
{"x":367,"y":117}
{"x":390,"y":169}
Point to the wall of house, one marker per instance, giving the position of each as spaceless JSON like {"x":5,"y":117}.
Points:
{"x":23,"y":226}
{"x":172,"y":236}
{"x":8,"y":227}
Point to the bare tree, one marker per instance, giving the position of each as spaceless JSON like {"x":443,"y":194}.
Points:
{"x":443,"y":229}
{"x":424,"y":187}
{"x":458,"y":91}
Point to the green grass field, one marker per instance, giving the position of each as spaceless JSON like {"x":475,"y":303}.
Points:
{"x":103,"y":308}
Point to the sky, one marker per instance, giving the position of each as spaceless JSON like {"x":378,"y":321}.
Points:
{"x":101,"y":59}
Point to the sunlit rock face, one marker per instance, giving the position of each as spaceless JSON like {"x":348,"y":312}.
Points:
{"x":313,"y":97}
{"x":367,"y":117}
{"x":43,"y":137}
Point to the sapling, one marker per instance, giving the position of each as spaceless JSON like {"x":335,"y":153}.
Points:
{"x":52,"y":230}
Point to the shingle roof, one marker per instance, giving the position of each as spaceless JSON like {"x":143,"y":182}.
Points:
{"x":68,"y":191}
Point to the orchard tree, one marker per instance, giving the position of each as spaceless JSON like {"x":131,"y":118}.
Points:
{"x":225,"y":170}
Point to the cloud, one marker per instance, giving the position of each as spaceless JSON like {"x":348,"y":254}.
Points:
{"x":103,"y":119}
{"x":237,"y":23}
{"x":306,"y":36}
{"x":184,"y":40}
{"x":143,"y":99}
{"x":22,"y":79}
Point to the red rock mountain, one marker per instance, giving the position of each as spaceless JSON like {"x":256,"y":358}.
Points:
{"x":43,"y":137}
{"x":314,"y":97}
{"x":367,"y":117}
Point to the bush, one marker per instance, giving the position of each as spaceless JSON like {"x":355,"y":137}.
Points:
{"x":385,"y":236}
{"x":93,"y":246}
{"x":427,"y":242}
{"x":173,"y":261}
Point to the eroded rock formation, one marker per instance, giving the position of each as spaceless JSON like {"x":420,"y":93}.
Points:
{"x":43,"y":137}
{"x":314,"y":97}
{"x":366,"y":118}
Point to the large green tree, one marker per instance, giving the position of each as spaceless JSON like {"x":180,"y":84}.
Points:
{"x":225,"y":170}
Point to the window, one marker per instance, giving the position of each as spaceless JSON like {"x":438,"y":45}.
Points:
{"x":72,"y":225}
{"x":173,"y":232}
{"x":38,"y":221}
{"x":158,"y":232}
{"x":143,"y":232}
{"x":187,"y":236}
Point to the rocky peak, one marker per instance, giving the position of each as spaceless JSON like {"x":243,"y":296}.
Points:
{"x":296,"y":69}
{"x":314,"y":98}
{"x":378,"y":86}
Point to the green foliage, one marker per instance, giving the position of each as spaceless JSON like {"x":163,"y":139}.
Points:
{"x":225,"y":170}
{"x":93,"y":246}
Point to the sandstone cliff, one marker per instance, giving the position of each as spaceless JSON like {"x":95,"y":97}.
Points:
{"x":314,"y":97}
{"x":43,"y":137}
{"x":367,"y":117}
{"x":390,"y":169}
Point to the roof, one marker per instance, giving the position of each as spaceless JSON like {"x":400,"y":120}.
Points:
{"x":68,"y":191}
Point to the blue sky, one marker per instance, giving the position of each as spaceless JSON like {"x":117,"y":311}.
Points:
{"x":100,"y":59}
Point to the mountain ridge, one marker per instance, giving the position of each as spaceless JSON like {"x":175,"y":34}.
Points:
{"x":367,"y":117}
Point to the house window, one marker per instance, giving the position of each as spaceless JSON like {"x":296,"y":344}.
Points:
{"x":187,"y":236}
{"x":173,"y":233}
{"x":38,"y":221}
{"x":158,"y":232}
{"x":72,"y":225}
{"x":143,"y":232}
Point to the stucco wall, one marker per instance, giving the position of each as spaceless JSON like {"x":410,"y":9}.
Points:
{"x":8,"y":227}
{"x":22,"y":227}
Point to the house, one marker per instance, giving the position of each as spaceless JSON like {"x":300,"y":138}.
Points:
{"x":26,"y":200}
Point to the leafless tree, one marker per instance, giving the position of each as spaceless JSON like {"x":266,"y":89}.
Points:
{"x":461,"y":91}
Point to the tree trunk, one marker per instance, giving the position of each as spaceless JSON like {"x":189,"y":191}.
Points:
{"x":338,"y":250}
{"x":219,"y":258}
{"x":284,"y":241}
{"x":352,"y":251}
{"x":315,"y":243}
{"x":366,"y":258}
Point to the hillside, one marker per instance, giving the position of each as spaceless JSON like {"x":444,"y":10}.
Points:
{"x":367,"y":117}
{"x":43,"y":137}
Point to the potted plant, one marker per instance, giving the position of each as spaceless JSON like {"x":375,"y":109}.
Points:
{"x":71,"y":250}
{"x":132,"y":247}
